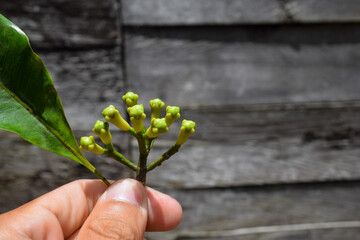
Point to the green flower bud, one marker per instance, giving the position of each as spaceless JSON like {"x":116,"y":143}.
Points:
{"x":130,"y":99}
{"x":187,"y":128}
{"x":156,"y":105}
{"x":137,"y":116}
{"x":102,"y":130}
{"x":172,"y":113}
{"x":88,"y":143}
{"x":112,"y":115}
{"x":157,"y":127}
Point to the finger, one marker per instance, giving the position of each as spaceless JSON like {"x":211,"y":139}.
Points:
{"x":73,"y":236}
{"x":164,"y":212}
{"x":72,"y":203}
{"x":121,"y":213}
{"x":60,"y":213}
{"x":56,"y":214}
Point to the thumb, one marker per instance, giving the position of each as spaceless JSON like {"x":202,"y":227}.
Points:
{"x":120,"y":213}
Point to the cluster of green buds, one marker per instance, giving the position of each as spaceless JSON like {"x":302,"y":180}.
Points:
{"x":145,"y":136}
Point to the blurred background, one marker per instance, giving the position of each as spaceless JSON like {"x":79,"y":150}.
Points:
{"x":273,"y":86}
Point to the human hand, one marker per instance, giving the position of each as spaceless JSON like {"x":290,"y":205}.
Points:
{"x":86,"y":209}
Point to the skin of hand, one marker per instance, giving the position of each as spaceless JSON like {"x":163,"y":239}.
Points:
{"x":87,"y":209}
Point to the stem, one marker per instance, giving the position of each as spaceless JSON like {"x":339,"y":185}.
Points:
{"x":151,"y":143}
{"x":132,"y":132}
{"x":110,"y":147}
{"x":174,"y":149}
{"x":98,"y":174}
{"x":143,"y":154}
{"x":120,"y":158}
{"x":148,"y":143}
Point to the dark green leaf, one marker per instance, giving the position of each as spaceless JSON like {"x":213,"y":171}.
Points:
{"x":29,"y":103}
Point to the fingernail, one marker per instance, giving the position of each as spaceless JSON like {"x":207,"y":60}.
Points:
{"x":129,"y":191}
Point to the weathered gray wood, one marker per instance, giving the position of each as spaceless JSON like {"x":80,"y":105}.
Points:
{"x":256,"y":145}
{"x":183,"y":71}
{"x":234,"y":208}
{"x":263,"y":144}
{"x":87,"y":82}
{"x":293,"y":35}
{"x":328,"y":234}
{"x":64,"y":23}
{"x":234,"y":124}
{"x":164,"y":12}
{"x":202,"y":12}
{"x":222,"y":68}
{"x":313,"y":11}
{"x":27,"y":171}
{"x":186,"y":68}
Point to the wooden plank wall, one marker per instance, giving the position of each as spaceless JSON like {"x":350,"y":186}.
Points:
{"x":273,"y":86}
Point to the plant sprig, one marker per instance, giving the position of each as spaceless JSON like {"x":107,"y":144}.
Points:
{"x":38,"y":116}
{"x":144,"y":136}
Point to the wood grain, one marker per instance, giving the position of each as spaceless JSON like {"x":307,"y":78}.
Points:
{"x":65,"y":23}
{"x":215,"y":72}
{"x":26,"y":171}
{"x":87,"y":81}
{"x":205,"y":12}
{"x":257,"y":145}
{"x":235,"y":208}
{"x":334,"y":233}
{"x":313,"y":11}
{"x":263,"y":144}
{"x":160,"y":12}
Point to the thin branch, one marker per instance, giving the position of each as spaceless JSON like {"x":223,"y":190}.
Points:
{"x":120,"y":158}
{"x":100,"y":176}
{"x":174,"y":149}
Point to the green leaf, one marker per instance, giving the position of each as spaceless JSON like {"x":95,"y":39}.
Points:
{"x":29,"y":103}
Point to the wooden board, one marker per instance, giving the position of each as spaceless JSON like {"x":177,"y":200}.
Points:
{"x":210,"y":210}
{"x":160,"y":12}
{"x":27,"y":171}
{"x":329,"y":234}
{"x":87,"y":82}
{"x":212,"y":12}
{"x":263,"y":144}
{"x":259,"y":146}
{"x":200,"y":70}
{"x":313,"y":11}
{"x":65,"y":23}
